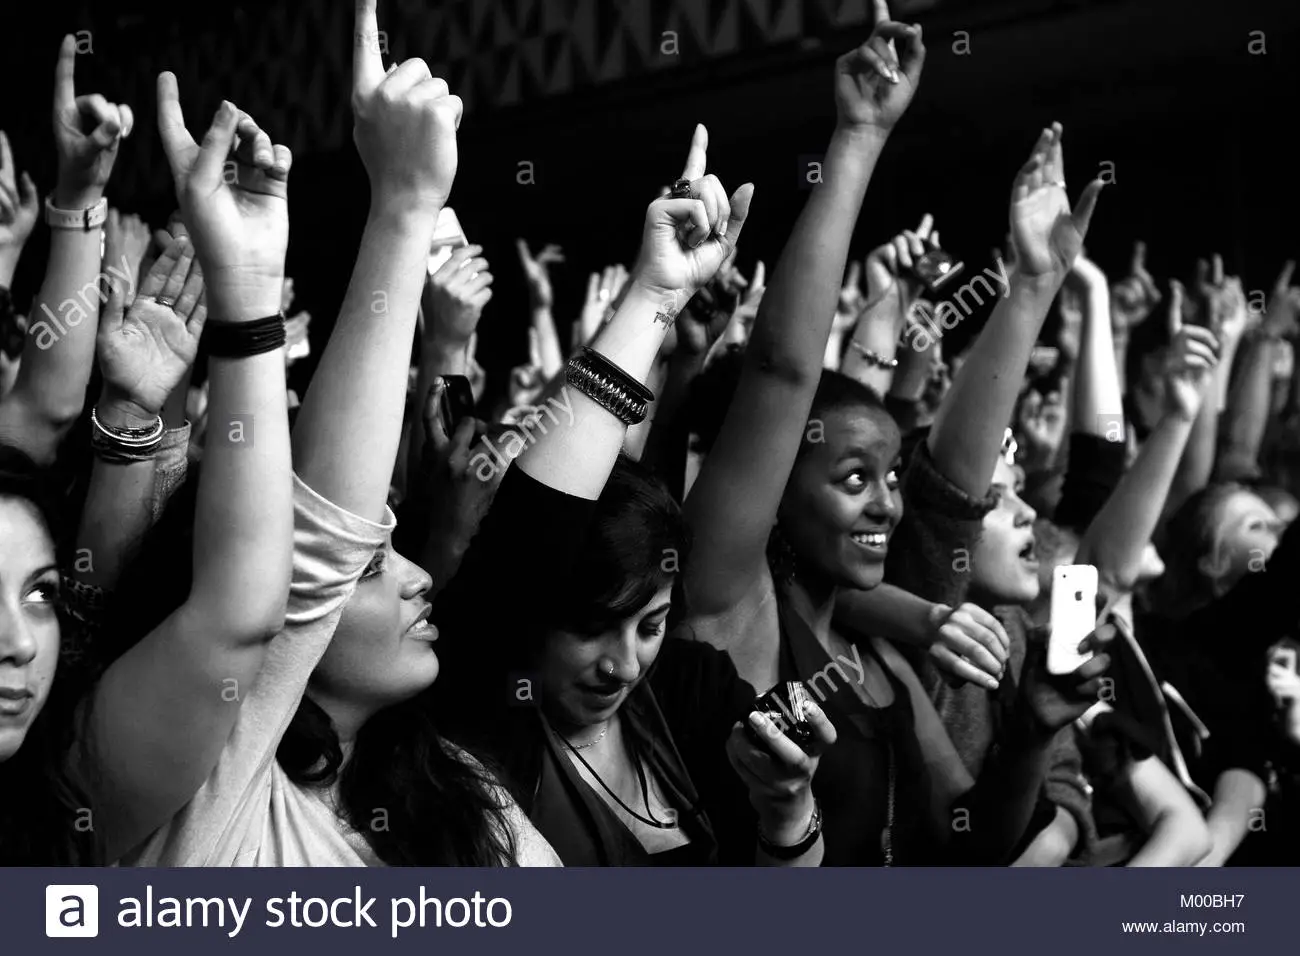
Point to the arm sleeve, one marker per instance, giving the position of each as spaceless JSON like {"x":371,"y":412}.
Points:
{"x":1095,"y":469}
{"x":931,"y":549}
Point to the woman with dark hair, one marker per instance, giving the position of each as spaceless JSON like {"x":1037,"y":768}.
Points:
{"x":818,"y":456}
{"x":610,"y":729}
{"x":38,"y":806}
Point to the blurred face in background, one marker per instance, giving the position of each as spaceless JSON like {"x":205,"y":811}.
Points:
{"x":1245,"y":533}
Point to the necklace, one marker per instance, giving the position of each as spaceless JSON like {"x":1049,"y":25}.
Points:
{"x":649,"y":820}
{"x":590,"y":743}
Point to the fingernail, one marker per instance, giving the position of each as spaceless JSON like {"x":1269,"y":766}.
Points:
{"x":756,"y":720}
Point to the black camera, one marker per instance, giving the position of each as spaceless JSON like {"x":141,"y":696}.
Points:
{"x":786,"y":706}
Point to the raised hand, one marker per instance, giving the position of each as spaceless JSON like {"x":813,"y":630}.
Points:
{"x":240,"y":229}
{"x":19,"y":207}
{"x":1283,"y":305}
{"x":456,"y":294}
{"x":1193,"y":354}
{"x":603,"y":289}
{"x":873,"y":86}
{"x":1221,"y":301}
{"x":888,"y":284}
{"x":537,"y":272}
{"x":686,"y":240}
{"x":87,"y":132}
{"x":1135,"y":296}
{"x":1045,"y":234}
{"x":404,"y":127}
{"x":144,"y":351}
{"x":1041,"y":420}
{"x":126,"y":241}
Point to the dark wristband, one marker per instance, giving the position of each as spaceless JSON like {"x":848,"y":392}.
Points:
{"x":244,"y":339}
{"x":778,"y":852}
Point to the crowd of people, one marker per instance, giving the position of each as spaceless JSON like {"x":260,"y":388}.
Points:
{"x":220,"y":646}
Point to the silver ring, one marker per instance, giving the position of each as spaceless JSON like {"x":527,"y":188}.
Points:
{"x":603,"y":294}
{"x":1054,"y":182}
{"x":165,"y":301}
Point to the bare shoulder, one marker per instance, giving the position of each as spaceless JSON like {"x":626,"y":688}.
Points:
{"x":748,"y":631}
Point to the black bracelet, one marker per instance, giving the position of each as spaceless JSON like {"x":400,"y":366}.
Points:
{"x":778,"y":852}
{"x":244,"y":339}
{"x":629,"y":384}
{"x":609,"y":395}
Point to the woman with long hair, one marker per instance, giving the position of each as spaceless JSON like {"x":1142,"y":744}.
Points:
{"x":329,"y":762}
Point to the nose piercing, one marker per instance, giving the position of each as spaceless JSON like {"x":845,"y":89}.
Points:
{"x":606,"y":669}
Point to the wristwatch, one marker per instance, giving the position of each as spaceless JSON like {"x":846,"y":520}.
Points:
{"x":778,"y":852}
{"x":84,"y":219}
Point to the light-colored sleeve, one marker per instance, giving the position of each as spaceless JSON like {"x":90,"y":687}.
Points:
{"x":170,"y":466}
{"x":331,"y":550}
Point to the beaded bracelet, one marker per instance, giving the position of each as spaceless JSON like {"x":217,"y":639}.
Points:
{"x":872,"y":358}
{"x":124,"y":445}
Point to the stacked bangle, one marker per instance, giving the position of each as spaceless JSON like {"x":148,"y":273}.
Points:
{"x":609,"y":386}
{"x":243,"y":339}
{"x":123,"y":445}
{"x":872,"y":358}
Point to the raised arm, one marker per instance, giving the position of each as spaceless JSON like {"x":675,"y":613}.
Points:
{"x":346,"y":436}
{"x":452,"y":301}
{"x":871,"y":353}
{"x":19,"y":207}
{"x":1250,"y":393}
{"x":732,"y":506}
{"x":164,"y":710}
{"x":144,"y":352}
{"x":1047,"y":236}
{"x":684,"y":244}
{"x":50,"y":390}
{"x":541,"y":303}
{"x":1098,"y":403}
{"x":1132,"y":300}
{"x":1118,"y":534}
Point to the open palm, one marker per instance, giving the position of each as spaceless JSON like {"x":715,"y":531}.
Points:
{"x":144,"y":351}
{"x":1046,"y":234}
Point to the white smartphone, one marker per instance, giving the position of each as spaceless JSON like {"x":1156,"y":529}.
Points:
{"x":1074,"y":616}
{"x":448,"y":236}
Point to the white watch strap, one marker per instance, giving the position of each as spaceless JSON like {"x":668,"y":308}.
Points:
{"x":83,"y":219}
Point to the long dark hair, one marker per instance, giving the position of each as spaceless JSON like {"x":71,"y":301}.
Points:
{"x":416,"y":800}
{"x":40,"y":806}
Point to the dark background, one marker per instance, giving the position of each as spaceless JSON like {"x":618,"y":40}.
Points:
{"x":1198,"y":128}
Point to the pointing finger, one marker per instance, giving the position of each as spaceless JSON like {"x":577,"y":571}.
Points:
{"x":65,"y":94}
{"x":697,"y":157}
{"x":367,"y":61}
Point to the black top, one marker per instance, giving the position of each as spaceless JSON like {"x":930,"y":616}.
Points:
{"x":487,"y":698}
{"x":872,"y":745}
{"x":1215,"y":657}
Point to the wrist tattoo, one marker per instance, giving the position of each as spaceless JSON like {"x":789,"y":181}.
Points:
{"x":666,"y":317}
